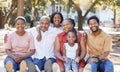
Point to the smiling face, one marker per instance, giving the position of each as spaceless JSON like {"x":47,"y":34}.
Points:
{"x":71,"y":38}
{"x":44,"y":24}
{"x":20,"y":25}
{"x":57,"y":20}
{"x":93,"y":25}
{"x":66,"y":25}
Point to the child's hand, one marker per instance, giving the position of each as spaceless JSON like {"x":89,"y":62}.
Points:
{"x":77,"y":59}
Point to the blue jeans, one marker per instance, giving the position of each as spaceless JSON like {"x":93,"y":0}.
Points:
{"x":40,"y":62}
{"x":16,"y":66}
{"x":70,"y":64}
{"x":101,"y":66}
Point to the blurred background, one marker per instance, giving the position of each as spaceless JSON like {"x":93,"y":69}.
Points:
{"x":108,"y":11}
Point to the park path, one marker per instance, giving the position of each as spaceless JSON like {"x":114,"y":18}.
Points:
{"x":114,"y":56}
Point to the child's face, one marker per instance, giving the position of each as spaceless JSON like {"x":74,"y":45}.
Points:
{"x":71,"y":37}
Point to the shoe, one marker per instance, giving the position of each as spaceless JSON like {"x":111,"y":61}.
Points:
{"x":87,"y":68}
{"x":23,"y":66}
{"x":55,"y":67}
{"x":9,"y":66}
{"x":48,"y":66}
{"x":70,"y":71}
{"x":31,"y":67}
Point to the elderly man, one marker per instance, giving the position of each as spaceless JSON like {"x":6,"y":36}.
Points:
{"x":44,"y":55}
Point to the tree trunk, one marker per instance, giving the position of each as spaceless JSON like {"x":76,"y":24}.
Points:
{"x":20,"y":11}
{"x":53,"y":6}
{"x":1,"y":19}
{"x":80,"y":17}
{"x":79,"y":12}
{"x":35,"y":12}
{"x":114,"y":20}
{"x":9,"y":15}
{"x":6,"y":19}
{"x":80,"y":22}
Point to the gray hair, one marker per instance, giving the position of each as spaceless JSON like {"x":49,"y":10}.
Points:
{"x":45,"y":17}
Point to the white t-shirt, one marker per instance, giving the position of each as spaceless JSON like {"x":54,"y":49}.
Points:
{"x":71,"y":51}
{"x":45,"y":47}
{"x":51,"y":25}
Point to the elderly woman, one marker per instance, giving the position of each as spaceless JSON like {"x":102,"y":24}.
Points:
{"x":67,"y":25}
{"x":19,"y":47}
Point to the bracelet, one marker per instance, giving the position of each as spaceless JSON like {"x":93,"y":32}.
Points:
{"x":97,"y":58}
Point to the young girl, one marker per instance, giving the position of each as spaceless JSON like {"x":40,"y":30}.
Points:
{"x":71,"y":51}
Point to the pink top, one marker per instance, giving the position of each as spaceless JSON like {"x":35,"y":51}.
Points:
{"x":20,"y":44}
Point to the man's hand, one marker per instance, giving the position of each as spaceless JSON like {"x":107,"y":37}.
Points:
{"x":93,"y":60}
{"x":39,"y":37}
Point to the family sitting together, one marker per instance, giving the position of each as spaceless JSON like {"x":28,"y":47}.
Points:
{"x":56,"y":46}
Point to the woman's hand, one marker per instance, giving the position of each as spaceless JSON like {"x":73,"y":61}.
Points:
{"x":65,"y":59}
{"x":18,"y":58}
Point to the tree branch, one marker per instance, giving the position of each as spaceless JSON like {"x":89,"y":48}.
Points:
{"x":76,"y":6}
{"x":94,"y":3}
{"x":12,"y":8}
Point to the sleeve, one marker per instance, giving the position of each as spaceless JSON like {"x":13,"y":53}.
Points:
{"x":8,"y":45}
{"x":108,"y":44}
{"x":32,"y":45}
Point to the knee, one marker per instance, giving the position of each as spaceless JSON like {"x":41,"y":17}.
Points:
{"x":108,"y":66}
{"x":9,"y":59}
{"x":48,"y":63}
{"x":108,"y":63}
{"x":52,"y":60}
{"x":28,"y":59}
